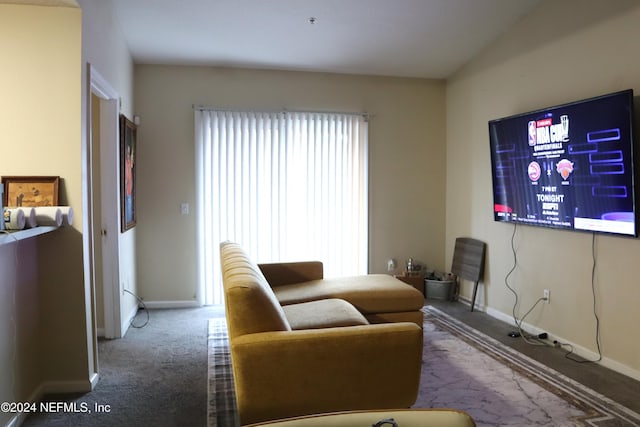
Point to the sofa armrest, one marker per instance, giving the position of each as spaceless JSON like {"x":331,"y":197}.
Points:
{"x":286,"y":273}
{"x":284,"y":374}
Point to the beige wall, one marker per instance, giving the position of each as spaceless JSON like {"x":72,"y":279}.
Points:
{"x":42,"y":337}
{"x":44,"y":344}
{"x":20,"y":327}
{"x":563,"y":51}
{"x":407,"y":159}
{"x":545,"y":60}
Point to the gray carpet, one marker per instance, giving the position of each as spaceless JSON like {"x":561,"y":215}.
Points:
{"x":158,"y":375}
{"x":155,"y":376}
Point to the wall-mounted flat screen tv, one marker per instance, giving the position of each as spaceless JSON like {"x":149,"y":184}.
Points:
{"x":567,"y":167}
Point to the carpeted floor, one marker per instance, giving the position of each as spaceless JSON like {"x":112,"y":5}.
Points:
{"x":157,"y":375}
{"x":466,"y":369}
{"x":154,"y":376}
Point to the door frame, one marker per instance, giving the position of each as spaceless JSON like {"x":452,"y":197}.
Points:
{"x":108,"y":203}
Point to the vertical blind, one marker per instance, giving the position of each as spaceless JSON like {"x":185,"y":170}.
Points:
{"x":286,"y":186}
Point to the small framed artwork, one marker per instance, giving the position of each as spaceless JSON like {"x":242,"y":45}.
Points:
{"x":127,"y":174}
{"x":30,"y":191}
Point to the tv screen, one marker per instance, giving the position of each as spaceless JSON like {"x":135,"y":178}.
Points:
{"x":567,"y":167}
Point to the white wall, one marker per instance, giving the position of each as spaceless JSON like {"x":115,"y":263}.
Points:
{"x":407,"y":159}
{"x":563,"y":51}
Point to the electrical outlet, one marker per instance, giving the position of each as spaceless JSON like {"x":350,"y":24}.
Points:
{"x":546,"y":294}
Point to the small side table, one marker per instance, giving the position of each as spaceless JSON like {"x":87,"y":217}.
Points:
{"x":415,"y":280}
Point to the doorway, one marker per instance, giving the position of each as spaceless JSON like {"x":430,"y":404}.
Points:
{"x":103,"y":115}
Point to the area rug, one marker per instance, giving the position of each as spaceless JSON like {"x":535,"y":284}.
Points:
{"x":498,"y":386}
{"x":463,"y":369}
{"x":221,"y":408}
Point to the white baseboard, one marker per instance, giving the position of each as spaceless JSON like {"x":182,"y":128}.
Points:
{"x":577,"y":349}
{"x":93,"y":380}
{"x":16,"y":420}
{"x":620,"y":368}
{"x":53,"y":387}
{"x":172,"y":304}
{"x":467,"y":302}
{"x":126,"y":322}
{"x":19,"y":418}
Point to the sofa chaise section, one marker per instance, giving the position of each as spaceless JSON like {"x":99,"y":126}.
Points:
{"x":379,"y":297}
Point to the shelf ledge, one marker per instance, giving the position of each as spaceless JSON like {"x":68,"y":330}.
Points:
{"x":8,"y":236}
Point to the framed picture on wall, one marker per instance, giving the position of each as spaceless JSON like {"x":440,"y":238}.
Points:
{"x":127,"y":174}
{"x":30,"y":191}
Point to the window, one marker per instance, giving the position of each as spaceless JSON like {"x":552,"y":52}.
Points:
{"x":286,"y":186}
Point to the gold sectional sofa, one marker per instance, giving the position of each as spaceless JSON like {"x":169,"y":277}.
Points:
{"x":317,"y":355}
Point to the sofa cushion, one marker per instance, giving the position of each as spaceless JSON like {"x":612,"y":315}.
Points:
{"x":286,"y":273}
{"x":326,"y":313}
{"x":372,"y":293}
{"x":251,"y":305}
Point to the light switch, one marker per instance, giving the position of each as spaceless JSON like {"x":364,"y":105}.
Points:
{"x":184,"y":208}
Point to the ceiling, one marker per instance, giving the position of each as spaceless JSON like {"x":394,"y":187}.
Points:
{"x":407,"y":38}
